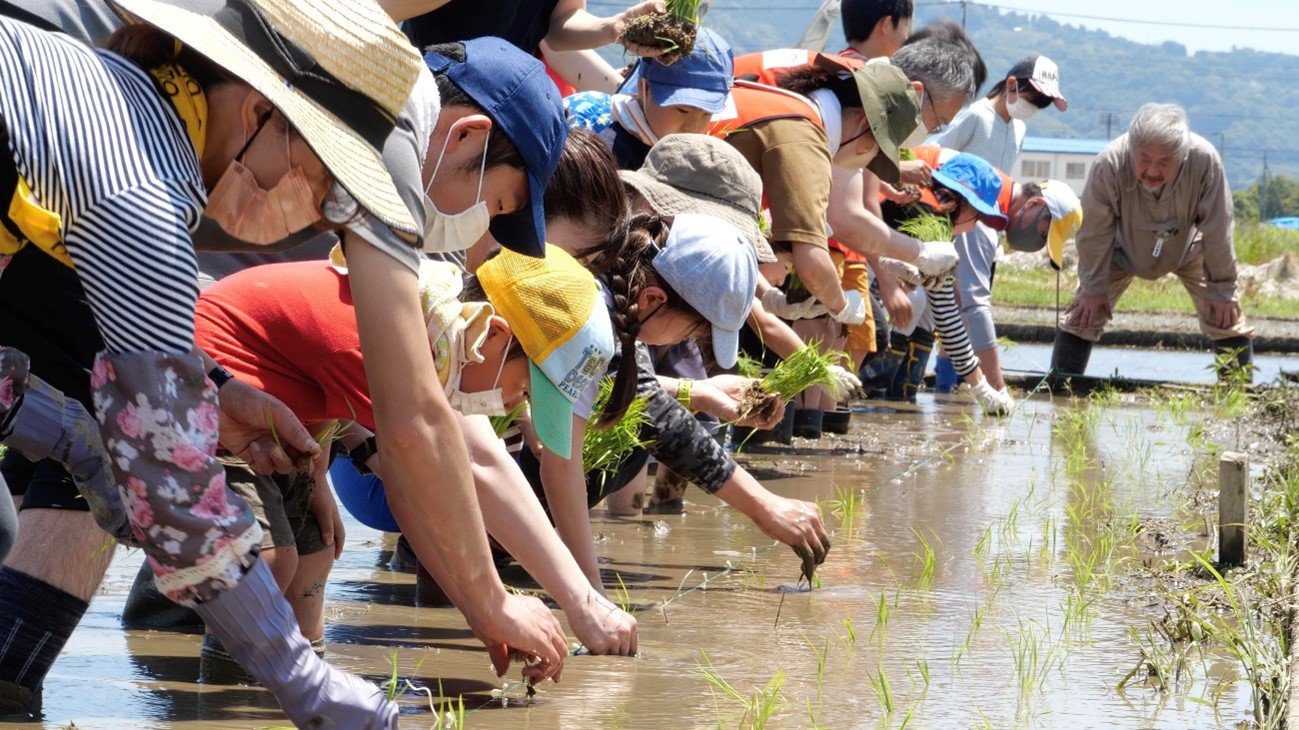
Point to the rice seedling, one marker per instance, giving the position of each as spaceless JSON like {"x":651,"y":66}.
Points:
{"x":926,"y":561}
{"x":605,"y":449}
{"x":803,"y":369}
{"x":821,"y":653}
{"x":881,"y":618}
{"x":923,"y":225}
{"x":847,"y":505}
{"x":1032,"y":655}
{"x":758,"y":707}
{"x":748,"y":367}
{"x":622,"y":594}
{"x":502,"y":424}
{"x":879,"y":682}
{"x":850,"y":637}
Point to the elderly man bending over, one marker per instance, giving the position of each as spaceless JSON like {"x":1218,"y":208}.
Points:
{"x":1156,"y":202}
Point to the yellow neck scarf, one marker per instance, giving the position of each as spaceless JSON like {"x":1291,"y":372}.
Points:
{"x":188,"y":99}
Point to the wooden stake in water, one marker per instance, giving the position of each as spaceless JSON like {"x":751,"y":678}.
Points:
{"x":1233,"y":508}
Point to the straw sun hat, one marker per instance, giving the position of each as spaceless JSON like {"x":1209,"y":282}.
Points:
{"x":339,"y":71}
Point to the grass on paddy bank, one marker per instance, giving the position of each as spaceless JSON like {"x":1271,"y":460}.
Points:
{"x":1255,"y":244}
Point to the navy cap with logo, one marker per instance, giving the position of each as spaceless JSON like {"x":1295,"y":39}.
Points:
{"x":524,"y":104}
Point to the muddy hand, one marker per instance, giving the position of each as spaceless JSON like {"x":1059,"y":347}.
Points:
{"x":522,"y":626}
{"x":262,"y":431}
{"x":620,"y":21}
{"x":603,"y":628}
{"x":798,"y":524}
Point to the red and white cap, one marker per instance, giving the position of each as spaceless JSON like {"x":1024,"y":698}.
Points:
{"x":1044,"y":75}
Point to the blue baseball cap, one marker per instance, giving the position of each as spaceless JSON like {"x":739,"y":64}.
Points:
{"x":976,"y":181}
{"x":524,"y":104}
{"x":713,"y":267}
{"x":702,"y":79}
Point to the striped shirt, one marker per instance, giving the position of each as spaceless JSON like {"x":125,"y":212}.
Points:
{"x":100,"y":147}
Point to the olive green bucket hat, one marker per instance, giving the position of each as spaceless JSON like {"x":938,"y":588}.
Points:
{"x":892,"y":110}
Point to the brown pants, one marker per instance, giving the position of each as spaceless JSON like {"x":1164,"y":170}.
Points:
{"x":1193,"y":278}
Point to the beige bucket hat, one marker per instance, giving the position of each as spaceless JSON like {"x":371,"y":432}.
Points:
{"x":339,"y":70}
{"x":696,"y":173}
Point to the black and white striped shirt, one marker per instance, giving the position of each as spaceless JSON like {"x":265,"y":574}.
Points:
{"x":100,"y":146}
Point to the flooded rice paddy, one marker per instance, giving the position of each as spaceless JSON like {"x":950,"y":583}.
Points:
{"x":979,"y":578}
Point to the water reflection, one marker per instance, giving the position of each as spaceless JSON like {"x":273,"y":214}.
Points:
{"x":952,"y":599}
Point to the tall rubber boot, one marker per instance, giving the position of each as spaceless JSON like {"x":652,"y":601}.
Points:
{"x":147,"y":609}
{"x":909,"y":378}
{"x":1069,"y":356}
{"x":256,"y":626}
{"x":877,"y":371}
{"x":1239,"y":368}
{"x":807,"y":422}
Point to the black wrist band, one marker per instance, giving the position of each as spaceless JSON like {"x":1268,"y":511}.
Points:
{"x":219,"y":376}
{"x":362,"y":454}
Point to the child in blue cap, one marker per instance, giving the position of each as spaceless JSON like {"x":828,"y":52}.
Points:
{"x":658,"y":99}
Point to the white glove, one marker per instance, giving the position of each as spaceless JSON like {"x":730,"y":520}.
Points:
{"x":775,"y":301}
{"x":902,"y":271}
{"x":936,"y":258}
{"x":845,"y":383}
{"x":854,"y":309}
{"x":995,"y":402}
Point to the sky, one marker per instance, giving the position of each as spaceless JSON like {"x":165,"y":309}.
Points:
{"x":1280,"y":18}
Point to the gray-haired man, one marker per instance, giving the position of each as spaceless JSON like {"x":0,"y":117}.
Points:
{"x":1156,"y":203}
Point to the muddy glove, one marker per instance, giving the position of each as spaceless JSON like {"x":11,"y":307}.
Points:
{"x":902,"y":271}
{"x":995,"y":402}
{"x":40,"y":422}
{"x":775,"y":301}
{"x":845,"y":383}
{"x":854,"y":309}
{"x":936,"y":258}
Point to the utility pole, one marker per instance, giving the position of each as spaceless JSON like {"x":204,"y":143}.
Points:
{"x":1109,"y":118}
{"x":1262,"y":198}
{"x":963,"y":16}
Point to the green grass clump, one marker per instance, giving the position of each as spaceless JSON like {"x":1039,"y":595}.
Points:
{"x":926,"y":226}
{"x":603,"y":450}
{"x":803,"y":369}
{"x":502,"y":424}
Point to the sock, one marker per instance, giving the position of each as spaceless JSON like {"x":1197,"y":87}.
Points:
{"x":36,"y":620}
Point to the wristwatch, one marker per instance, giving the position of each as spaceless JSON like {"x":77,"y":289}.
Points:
{"x":219,"y":376}
{"x":684,"y":385}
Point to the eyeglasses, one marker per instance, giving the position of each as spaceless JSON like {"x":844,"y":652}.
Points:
{"x":942,"y":125}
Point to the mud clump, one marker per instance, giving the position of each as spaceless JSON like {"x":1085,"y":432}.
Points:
{"x":755,"y":400}
{"x":675,"y":35}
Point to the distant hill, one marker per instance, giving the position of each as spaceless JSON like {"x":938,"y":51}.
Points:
{"x":1245,"y":98}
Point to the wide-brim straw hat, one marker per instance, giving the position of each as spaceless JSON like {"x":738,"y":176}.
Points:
{"x":338,"y":70}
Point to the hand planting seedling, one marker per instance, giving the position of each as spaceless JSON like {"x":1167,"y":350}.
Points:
{"x":673,"y":32}
{"x":803,"y":369}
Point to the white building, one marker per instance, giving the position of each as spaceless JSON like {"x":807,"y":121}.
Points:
{"x":1059,"y":159}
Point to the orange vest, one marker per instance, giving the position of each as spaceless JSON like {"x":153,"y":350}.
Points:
{"x":766,"y":67}
{"x":750,"y":103}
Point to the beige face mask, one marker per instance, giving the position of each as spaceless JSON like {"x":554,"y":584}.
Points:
{"x":246,"y":211}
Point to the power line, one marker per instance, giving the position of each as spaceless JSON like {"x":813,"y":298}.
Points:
{"x":1135,"y":21}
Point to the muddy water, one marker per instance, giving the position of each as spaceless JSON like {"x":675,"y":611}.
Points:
{"x":1174,"y":366}
{"x":1015,"y":518}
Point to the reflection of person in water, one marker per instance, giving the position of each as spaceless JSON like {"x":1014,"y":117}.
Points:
{"x":1156,"y":203}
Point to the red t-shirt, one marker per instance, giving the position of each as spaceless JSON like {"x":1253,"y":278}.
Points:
{"x":290,"y":330}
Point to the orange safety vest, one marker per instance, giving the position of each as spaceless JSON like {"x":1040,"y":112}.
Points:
{"x":750,"y":103}
{"x":766,"y":67}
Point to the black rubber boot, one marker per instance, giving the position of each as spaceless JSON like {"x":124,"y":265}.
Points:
{"x":837,"y":421}
{"x":1241,"y":350}
{"x":877,"y":371}
{"x":1069,"y":356}
{"x":909,"y":378}
{"x":147,"y":609}
{"x":807,"y":423}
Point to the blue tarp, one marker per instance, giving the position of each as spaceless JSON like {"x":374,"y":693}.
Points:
{"x":1288,"y":222}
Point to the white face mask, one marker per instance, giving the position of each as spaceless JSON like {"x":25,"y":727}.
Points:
{"x":1021,"y":108}
{"x":483,"y":403}
{"x":449,"y":232}
{"x":921,"y":132}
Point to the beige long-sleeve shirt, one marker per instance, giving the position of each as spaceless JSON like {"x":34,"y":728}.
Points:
{"x":1151,"y":235}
